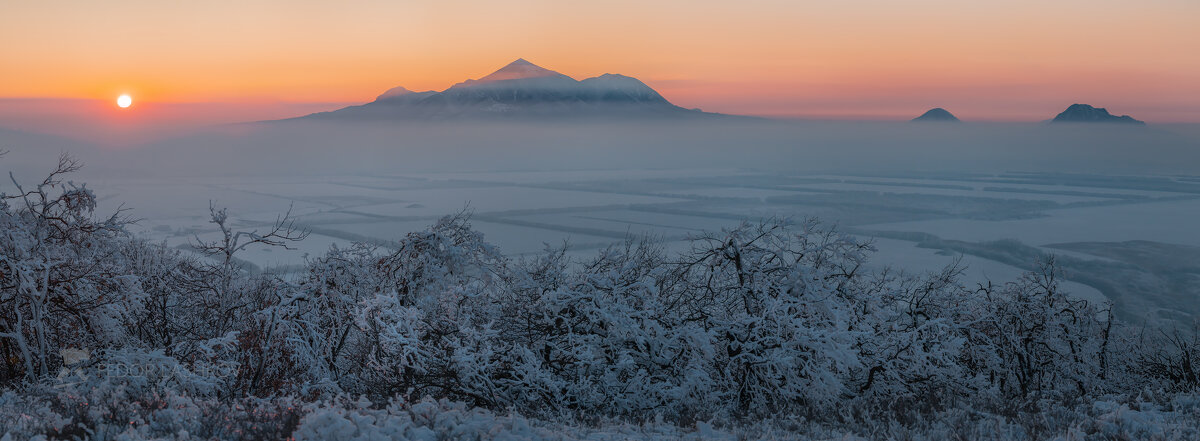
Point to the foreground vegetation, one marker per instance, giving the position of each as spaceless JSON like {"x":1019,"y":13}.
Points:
{"x":766,"y":330}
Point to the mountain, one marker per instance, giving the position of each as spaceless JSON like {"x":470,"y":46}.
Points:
{"x":1089,"y":114}
{"x":521,"y":90}
{"x":517,"y":70}
{"x":400,"y":94}
{"x":936,"y":114}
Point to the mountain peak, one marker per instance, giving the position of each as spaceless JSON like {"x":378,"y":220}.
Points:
{"x":1087,"y":113}
{"x":937,"y":114}
{"x":393,"y":93}
{"x":400,"y":95}
{"x":519,"y":70}
{"x":522,"y":89}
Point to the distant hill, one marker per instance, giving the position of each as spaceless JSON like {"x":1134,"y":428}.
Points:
{"x":1088,"y":114}
{"x":936,"y":114}
{"x":521,"y":90}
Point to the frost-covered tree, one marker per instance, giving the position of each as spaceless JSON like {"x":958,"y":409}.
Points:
{"x":396,"y":318}
{"x":1029,"y":338}
{"x":764,"y":321}
{"x":62,"y":281}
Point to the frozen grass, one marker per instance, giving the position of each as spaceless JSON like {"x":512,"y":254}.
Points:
{"x":120,"y":412}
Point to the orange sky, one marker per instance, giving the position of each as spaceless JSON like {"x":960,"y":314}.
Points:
{"x":993,"y":60}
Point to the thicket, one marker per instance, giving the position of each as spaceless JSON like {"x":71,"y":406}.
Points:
{"x":102,"y":332}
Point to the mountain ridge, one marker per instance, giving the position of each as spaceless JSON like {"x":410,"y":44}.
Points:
{"x":519,"y":90}
{"x":1086,"y":113}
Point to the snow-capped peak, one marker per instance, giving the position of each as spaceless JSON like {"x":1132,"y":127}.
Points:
{"x":521,"y":88}
{"x":519,"y":70}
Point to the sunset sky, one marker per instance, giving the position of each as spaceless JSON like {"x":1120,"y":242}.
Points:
{"x":219,"y":60}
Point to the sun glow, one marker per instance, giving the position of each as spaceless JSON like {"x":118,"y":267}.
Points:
{"x":124,"y":101}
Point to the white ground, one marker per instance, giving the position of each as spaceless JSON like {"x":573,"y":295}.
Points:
{"x":1169,"y":222}
{"x":521,"y":212}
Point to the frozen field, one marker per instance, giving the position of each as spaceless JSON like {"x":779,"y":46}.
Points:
{"x":996,"y":224}
{"x":1169,"y":222}
{"x":910,"y":258}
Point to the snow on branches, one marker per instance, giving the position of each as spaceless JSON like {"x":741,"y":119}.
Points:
{"x":761,"y":320}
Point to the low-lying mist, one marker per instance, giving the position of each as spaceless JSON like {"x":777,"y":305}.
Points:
{"x":304,"y":148}
{"x":1001,"y":194}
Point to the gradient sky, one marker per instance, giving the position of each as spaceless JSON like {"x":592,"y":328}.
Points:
{"x":219,"y":60}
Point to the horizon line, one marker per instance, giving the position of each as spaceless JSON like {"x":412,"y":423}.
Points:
{"x":335,"y":105}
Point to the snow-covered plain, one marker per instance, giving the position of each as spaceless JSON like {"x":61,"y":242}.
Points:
{"x":1125,"y":237}
{"x":1172,"y":221}
{"x":523,"y":211}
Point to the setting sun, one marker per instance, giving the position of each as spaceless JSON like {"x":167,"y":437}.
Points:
{"x":653,"y":220}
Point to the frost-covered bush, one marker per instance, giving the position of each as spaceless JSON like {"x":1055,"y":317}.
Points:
{"x":141,"y":395}
{"x":1169,"y":359}
{"x":1028,"y":338}
{"x":62,"y":281}
{"x":597,"y":340}
{"x":764,"y":328}
{"x":391,"y":322}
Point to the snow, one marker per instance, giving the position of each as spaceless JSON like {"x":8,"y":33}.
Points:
{"x":484,"y":199}
{"x":906,"y":256}
{"x":517,"y":70}
{"x":1166,"y":221}
{"x":522,"y":210}
{"x":750,"y":330}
